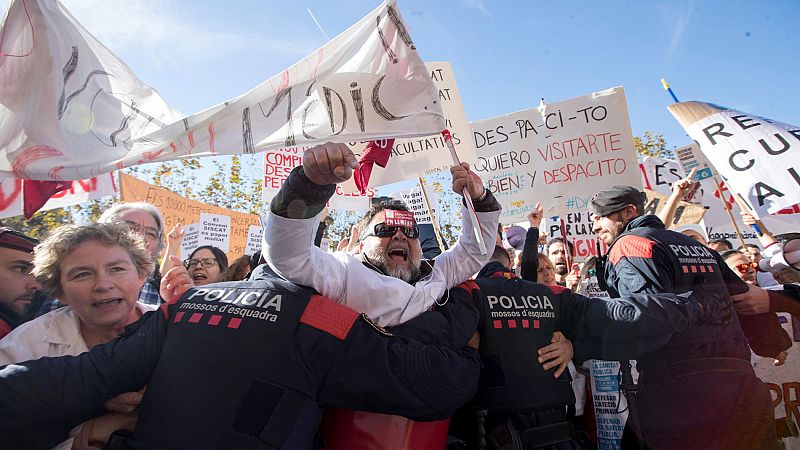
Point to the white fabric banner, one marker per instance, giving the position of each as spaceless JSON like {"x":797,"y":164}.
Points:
{"x":412,"y":158}
{"x":72,"y":110}
{"x":757,"y":157}
{"x":81,"y":191}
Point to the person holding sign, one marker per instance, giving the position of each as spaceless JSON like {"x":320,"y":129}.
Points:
{"x":386,"y":278}
{"x":699,"y":390}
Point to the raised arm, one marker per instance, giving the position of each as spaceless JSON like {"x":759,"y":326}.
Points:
{"x":464,"y":259}
{"x":679,"y":190}
{"x":529,"y":267}
{"x":292,"y":221}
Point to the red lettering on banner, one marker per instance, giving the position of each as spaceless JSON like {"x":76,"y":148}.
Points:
{"x":8,"y":200}
{"x":86,"y":186}
{"x":645,"y":177}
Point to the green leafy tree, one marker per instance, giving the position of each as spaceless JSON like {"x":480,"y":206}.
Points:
{"x":653,"y":144}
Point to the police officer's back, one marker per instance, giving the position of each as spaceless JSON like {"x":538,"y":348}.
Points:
{"x":522,"y":406}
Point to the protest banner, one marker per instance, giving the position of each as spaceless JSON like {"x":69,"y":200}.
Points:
{"x":685,"y":213}
{"x":415,"y":201}
{"x":191,"y":239}
{"x":255,"y":233}
{"x":610,"y":406}
{"x":784,"y":381}
{"x":214,"y":230}
{"x":758,"y":158}
{"x":412,"y":158}
{"x":81,"y":191}
{"x":571,"y":149}
{"x":178,"y":209}
{"x":658,"y":174}
{"x":277,"y":165}
{"x":78,"y":110}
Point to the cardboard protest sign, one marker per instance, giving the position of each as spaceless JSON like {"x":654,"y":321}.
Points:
{"x":784,"y":381}
{"x":76,"y":110}
{"x":559,"y":155}
{"x":415,"y":201}
{"x":215,"y":230}
{"x":80,"y":191}
{"x":758,"y":158}
{"x":176,"y":208}
{"x":685,"y":213}
{"x":610,"y":406}
{"x":191,"y":239}
{"x":412,"y":158}
{"x":690,"y":157}
{"x":658,"y":174}
{"x":277,"y":165}
{"x":255,"y":233}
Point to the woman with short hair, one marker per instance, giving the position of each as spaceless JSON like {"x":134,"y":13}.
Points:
{"x":97,"y":270}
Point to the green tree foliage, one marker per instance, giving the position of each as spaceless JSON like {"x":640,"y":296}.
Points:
{"x":653,"y":144}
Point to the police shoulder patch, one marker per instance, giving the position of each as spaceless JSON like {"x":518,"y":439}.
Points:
{"x":631,"y":246}
{"x":375,"y":326}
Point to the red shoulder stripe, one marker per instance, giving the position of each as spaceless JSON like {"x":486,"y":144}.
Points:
{"x":323,"y":314}
{"x":469,"y":286}
{"x":164,"y":308}
{"x":632,"y":247}
{"x":556,"y":288}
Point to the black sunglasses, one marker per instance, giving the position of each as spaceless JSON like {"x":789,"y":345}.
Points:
{"x":382,"y":230}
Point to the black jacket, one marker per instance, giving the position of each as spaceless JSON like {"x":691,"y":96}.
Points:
{"x":246,"y":365}
{"x":518,"y":317}
{"x":647,"y":258}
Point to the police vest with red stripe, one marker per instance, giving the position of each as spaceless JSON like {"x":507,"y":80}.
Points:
{"x":517,"y":318}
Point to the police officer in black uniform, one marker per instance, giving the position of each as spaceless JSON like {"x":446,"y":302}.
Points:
{"x":522,"y":406}
{"x":247,"y":365}
{"x":699,"y":390}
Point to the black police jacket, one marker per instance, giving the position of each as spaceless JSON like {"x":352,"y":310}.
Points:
{"x":647,"y":258}
{"x":518,"y":317}
{"x":246,"y":365}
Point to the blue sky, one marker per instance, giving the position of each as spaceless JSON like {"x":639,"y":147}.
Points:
{"x":506,"y":55}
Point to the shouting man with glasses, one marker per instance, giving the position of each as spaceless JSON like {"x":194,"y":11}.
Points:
{"x":699,"y":390}
{"x":387,"y":280}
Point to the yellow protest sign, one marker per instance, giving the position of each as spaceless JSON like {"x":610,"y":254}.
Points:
{"x":176,"y":208}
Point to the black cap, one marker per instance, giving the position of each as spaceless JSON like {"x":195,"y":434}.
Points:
{"x":13,"y":239}
{"x":615,"y":199}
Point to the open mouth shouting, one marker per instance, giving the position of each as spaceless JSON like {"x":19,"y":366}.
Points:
{"x":397,"y":254}
{"x":107,"y":304}
{"x":197,"y":276}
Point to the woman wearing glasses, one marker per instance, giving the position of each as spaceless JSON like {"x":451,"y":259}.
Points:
{"x":206,"y":265}
{"x":741,"y":265}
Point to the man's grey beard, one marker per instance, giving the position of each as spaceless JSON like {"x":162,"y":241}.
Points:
{"x":406,"y":273}
{"x":560,"y":269}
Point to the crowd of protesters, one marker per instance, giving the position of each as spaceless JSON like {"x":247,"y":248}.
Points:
{"x":389,"y":337}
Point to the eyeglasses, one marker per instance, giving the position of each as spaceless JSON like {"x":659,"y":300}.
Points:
{"x":204,"y":263}
{"x":148,"y":232}
{"x":382,"y":230}
{"x":742,"y":268}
